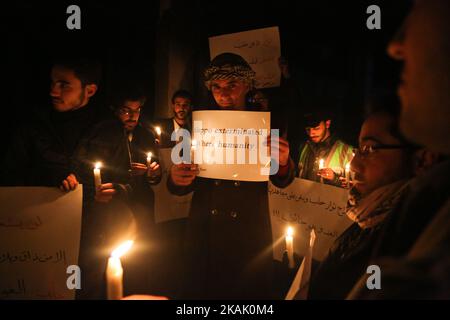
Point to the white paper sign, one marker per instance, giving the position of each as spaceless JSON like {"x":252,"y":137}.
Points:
{"x":39,"y":238}
{"x":168,"y":206}
{"x":260,"y":48}
{"x":305,"y":205}
{"x":231,"y":145}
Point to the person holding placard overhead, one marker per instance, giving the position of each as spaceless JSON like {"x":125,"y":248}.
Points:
{"x":229,"y":240}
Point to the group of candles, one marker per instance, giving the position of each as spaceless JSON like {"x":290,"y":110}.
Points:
{"x":98,"y":165}
{"x":347,"y":170}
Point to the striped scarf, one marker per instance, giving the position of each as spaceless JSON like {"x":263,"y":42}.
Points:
{"x":227,"y":72}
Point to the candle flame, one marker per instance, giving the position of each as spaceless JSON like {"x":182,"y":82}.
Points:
{"x":98,"y":165}
{"x":149,"y":155}
{"x":122,"y":249}
{"x":347,"y":167}
{"x":289,"y":232}
{"x":158,"y":131}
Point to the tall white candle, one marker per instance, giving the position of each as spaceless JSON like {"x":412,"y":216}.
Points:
{"x":290,"y":246}
{"x":97,"y":176}
{"x":114,"y":272}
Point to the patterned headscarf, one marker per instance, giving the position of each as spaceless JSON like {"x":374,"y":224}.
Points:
{"x":227,"y":66}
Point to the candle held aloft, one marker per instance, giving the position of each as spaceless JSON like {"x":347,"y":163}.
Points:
{"x":290,"y":246}
{"x":114,"y":272}
{"x":97,"y":176}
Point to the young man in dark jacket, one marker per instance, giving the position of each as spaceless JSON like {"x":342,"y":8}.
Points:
{"x":122,"y":145}
{"x":42,"y":150}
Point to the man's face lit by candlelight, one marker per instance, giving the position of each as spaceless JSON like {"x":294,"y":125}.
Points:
{"x":181,"y":108}
{"x":129,"y":114}
{"x":67,"y":91}
{"x":383,"y":166}
{"x":320,"y":132}
{"x":230,"y":94}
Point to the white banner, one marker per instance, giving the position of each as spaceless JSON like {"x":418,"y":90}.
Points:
{"x":168,"y":206}
{"x":260,"y":48}
{"x":39,"y":238}
{"x":305,"y":205}
{"x":231,"y":145}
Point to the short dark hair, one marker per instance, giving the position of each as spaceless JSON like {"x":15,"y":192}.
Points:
{"x":88,"y":70}
{"x":182,"y":94}
{"x":129,"y":92}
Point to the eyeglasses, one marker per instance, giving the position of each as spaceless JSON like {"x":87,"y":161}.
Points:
{"x":368,"y":150}
{"x":127,"y":112}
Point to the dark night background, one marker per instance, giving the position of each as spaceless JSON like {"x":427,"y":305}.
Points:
{"x":331,"y":52}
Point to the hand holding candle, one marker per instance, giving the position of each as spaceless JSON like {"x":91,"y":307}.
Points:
{"x":290,"y":246}
{"x":114,"y":272}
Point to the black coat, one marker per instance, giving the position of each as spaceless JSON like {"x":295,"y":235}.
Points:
{"x":229,"y":241}
{"x":42,"y":150}
{"x":228,"y":247}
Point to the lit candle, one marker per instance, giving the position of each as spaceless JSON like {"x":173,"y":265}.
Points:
{"x":149,"y":159}
{"x":321,"y":164}
{"x":114,"y":272}
{"x":347,"y":172}
{"x":158,"y":131}
{"x":290,"y":246}
{"x":97,"y":176}
{"x":193,"y":149}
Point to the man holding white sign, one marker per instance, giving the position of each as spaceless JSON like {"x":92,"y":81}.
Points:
{"x":229,"y":244}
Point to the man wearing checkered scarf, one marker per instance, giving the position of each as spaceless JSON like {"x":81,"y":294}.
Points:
{"x":229,"y":78}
